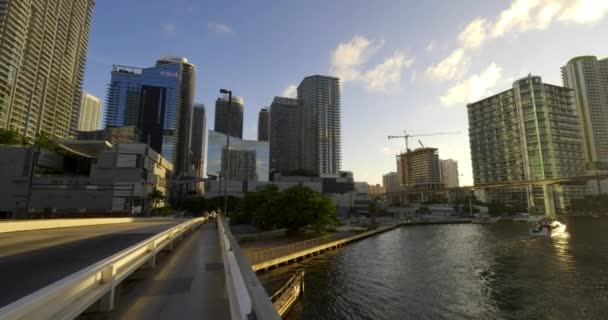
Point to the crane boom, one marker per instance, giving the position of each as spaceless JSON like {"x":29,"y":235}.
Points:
{"x":406,"y":136}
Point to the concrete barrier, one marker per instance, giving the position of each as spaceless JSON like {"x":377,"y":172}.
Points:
{"x":26,"y":225}
{"x":247,"y":297}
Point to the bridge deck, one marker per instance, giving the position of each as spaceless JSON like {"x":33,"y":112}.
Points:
{"x":188,"y":283}
{"x":31,"y":260}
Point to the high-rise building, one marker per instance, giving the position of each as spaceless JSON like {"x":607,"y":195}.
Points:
{"x":263,"y":124}
{"x":319,"y":131}
{"x":449,"y":173}
{"x":248,"y":159}
{"x":235,"y":127}
{"x":390,"y":182}
{"x":589,"y":79}
{"x":159,"y":101}
{"x":284,"y":135}
{"x":43,"y":48}
{"x":376,"y":189}
{"x":419,"y":169}
{"x":199,"y":133}
{"x":90,"y":111}
{"x":530,"y":132}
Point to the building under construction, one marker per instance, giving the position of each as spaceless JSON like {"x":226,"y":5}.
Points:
{"x":419,"y":175}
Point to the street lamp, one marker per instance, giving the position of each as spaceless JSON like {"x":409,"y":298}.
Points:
{"x":226,"y":176}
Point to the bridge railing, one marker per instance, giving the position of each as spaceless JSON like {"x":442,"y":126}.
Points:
{"x":70,"y":296}
{"x":246,"y":295}
{"x":276,"y":252}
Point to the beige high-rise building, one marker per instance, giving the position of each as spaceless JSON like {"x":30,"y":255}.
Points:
{"x":529,"y":132}
{"x":449,"y":173}
{"x":43,"y":47}
{"x":90,"y":112}
{"x":419,"y":169}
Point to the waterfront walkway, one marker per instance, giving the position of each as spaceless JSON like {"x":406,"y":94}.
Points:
{"x":273,"y":257}
{"x":186,"y":284}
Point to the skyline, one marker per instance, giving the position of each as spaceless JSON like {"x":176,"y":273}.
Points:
{"x":392,"y":73}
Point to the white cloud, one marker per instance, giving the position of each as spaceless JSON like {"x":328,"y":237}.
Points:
{"x":521,"y":16}
{"x":430,"y":47}
{"x":387,"y":75}
{"x":169,"y":28}
{"x":474,"y":88}
{"x":474,"y":34}
{"x":349,"y":62}
{"x":347,"y":58}
{"x":453,"y":67}
{"x":526,"y":15}
{"x":220,"y":29}
{"x":290,"y":92}
{"x":585,"y":11}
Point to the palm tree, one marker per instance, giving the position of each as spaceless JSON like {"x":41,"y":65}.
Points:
{"x":156,"y":196}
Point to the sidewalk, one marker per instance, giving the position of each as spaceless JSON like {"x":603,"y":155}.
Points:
{"x":187,"y":283}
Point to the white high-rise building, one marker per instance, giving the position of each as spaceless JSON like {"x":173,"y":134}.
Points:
{"x":320,"y":126}
{"x":588,"y":76}
{"x":90,"y":112}
{"x":449,"y":173}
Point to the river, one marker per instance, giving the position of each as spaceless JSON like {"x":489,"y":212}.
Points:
{"x":463,"y":271}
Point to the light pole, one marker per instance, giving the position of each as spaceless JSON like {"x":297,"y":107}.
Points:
{"x":226,"y":176}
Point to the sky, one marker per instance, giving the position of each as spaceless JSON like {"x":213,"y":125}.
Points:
{"x":403,"y":65}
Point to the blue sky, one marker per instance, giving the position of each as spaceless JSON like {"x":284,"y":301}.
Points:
{"x":405,"y":65}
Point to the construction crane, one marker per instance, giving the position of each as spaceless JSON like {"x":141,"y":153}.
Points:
{"x":407,"y":136}
{"x":420,"y":143}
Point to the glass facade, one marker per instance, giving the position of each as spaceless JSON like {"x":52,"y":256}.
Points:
{"x":249,"y":159}
{"x":147,"y":96}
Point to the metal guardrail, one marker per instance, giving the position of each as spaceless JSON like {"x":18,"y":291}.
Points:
{"x":269,"y":254}
{"x":247,"y":297}
{"x":70,"y":296}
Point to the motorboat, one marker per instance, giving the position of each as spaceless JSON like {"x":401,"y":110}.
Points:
{"x":548,"y":228}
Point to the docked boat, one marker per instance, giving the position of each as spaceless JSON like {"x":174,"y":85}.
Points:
{"x":548,"y":228}
{"x":485,"y":220}
{"x":521,"y":217}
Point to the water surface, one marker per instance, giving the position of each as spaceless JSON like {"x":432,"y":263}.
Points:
{"x":463,"y":271}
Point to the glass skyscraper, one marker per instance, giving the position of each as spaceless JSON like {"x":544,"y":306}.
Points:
{"x":249,"y":159}
{"x":43,"y":48}
{"x":159,"y":101}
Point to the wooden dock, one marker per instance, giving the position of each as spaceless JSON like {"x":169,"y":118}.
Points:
{"x":284,"y":299}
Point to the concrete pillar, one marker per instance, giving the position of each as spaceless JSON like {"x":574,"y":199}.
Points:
{"x":549,"y":201}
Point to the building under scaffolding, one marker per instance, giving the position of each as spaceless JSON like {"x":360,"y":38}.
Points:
{"x":419,"y":175}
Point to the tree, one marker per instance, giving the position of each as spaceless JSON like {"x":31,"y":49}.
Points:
{"x":8,"y":136}
{"x":262,"y":207}
{"x":373,"y":210}
{"x":156,"y":196}
{"x":301,"y":206}
{"x":47,"y":142}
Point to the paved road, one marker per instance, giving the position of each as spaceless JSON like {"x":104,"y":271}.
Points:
{"x":31,"y":260}
{"x":187,"y":283}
